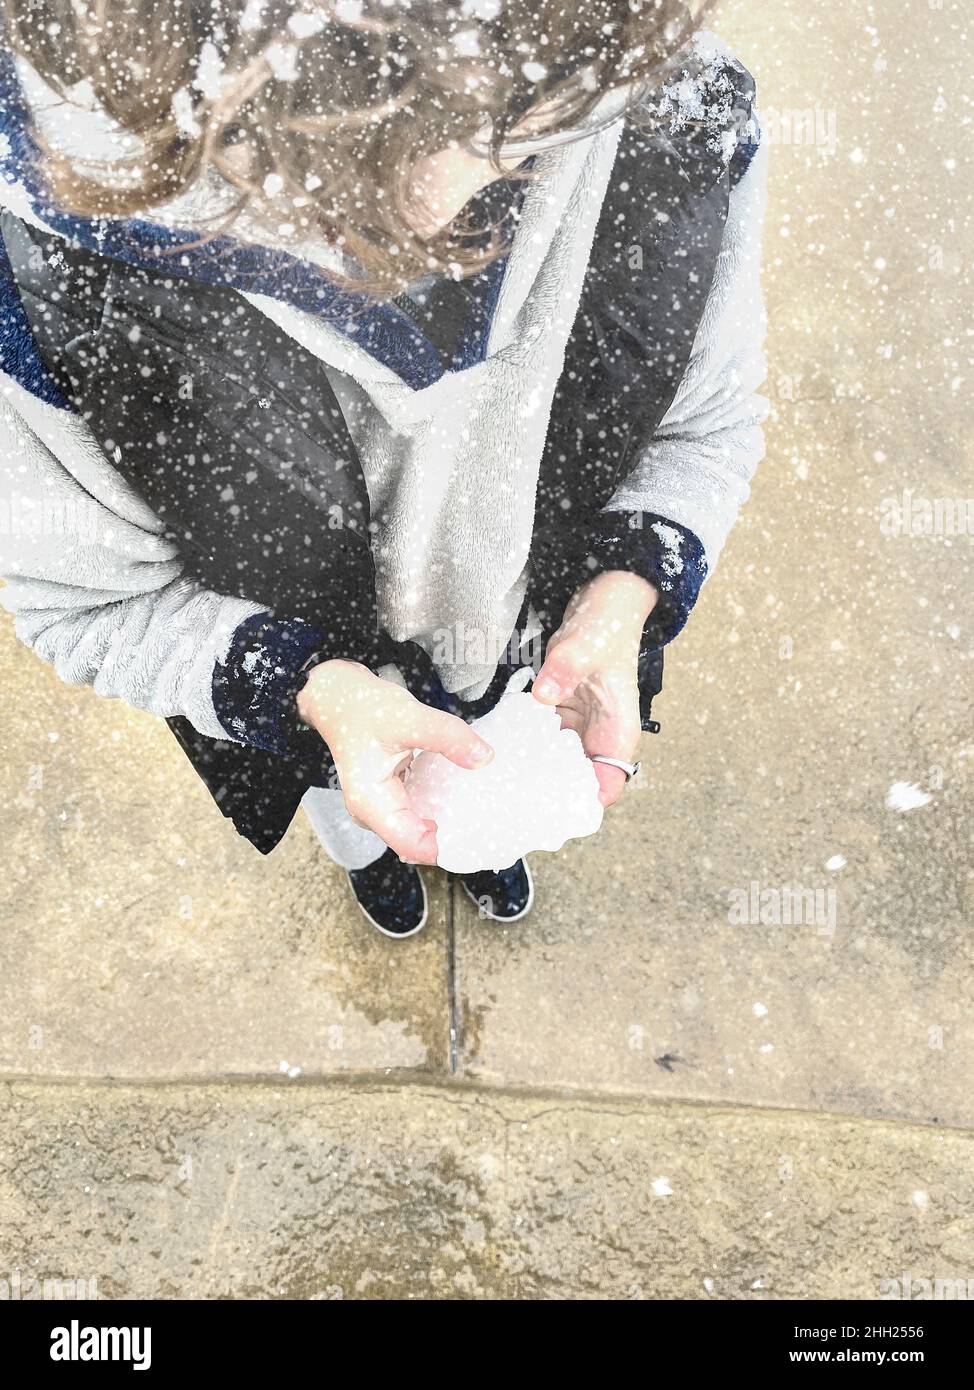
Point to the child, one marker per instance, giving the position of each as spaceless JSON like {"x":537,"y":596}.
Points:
{"x":353,"y":354}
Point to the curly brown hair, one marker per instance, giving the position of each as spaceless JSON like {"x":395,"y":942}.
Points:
{"x":316,"y":113}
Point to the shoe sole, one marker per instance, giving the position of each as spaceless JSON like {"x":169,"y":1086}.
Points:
{"x":394,"y":935}
{"x":517,"y":916}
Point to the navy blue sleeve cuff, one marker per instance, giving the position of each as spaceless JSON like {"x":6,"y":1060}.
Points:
{"x":255,"y":688}
{"x":665,"y":554}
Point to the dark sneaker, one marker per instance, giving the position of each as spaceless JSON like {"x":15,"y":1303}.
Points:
{"x":391,"y":894}
{"x":503,"y":897}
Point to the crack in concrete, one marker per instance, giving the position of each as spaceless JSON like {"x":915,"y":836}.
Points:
{"x":463,"y":1092}
{"x":454,"y":1008}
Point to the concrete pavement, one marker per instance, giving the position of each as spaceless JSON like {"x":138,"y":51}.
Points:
{"x":730,"y":1054}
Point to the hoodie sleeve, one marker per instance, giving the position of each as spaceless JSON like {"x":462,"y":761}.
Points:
{"x":670,"y":516}
{"x":94,"y":586}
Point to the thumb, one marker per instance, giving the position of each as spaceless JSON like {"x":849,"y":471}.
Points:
{"x":564,"y":668}
{"x":444,"y":733}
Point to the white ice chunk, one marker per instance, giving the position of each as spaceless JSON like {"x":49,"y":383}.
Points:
{"x":539,"y":791}
{"x":906,"y":796}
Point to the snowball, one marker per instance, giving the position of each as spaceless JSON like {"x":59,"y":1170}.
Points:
{"x":538,"y":791}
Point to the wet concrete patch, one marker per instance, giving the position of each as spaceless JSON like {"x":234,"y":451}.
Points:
{"x":143,"y":938}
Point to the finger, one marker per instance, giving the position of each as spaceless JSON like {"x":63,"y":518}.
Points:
{"x":563,"y":670}
{"x":612,"y":780}
{"x":614,"y":735}
{"x":444,"y":733}
{"x":383,"y":807}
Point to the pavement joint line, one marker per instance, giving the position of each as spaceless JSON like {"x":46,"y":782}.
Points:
{"x":454,"y":1010}
{"x":464,"y":1090}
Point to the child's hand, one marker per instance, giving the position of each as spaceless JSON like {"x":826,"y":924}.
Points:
{"x":372,"y":727}
{"x":589,"y":671}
